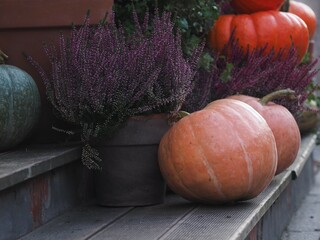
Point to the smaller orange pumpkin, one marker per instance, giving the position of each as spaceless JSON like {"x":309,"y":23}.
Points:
{"x":274,"y":29}
{"x":282,"y":123}
{"x":305,"y":12}
{"x":223,"y":153}
{"x":251,"y":6}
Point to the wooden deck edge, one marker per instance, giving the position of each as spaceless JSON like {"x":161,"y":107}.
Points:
{"x":28,"y":162}
{"x":292,"y":173}
{"x":266,"y":217}
{"x":308,"y":143}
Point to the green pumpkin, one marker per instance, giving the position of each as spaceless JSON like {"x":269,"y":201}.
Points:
{"x":19,"y":106}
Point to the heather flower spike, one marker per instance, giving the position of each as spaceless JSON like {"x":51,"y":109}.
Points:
{"x":100,"y":76}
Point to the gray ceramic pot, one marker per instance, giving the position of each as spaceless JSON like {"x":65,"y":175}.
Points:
{"x":130,"y":173}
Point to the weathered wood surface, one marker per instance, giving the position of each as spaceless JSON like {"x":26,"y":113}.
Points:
{"x":177,"y":218}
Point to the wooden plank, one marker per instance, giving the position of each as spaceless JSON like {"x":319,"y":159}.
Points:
{"x":78,"y":224}
{"x":148,"y":222}
{"x":180,"y":219}
{"x":25,"y":163}
{"x":176,"y":219}
{"x":229,"y":222}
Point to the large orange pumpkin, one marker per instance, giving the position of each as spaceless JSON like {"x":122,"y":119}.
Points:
{"x":306,"y":14}
{"x":283,"y":125}
{"x":251,"y":6}
{"x":277,"y":30}
{"x":223,"y":153}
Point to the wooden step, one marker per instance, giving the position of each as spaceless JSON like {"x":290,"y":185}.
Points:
{"x":37,"y":184}
{"x":264,"y":217}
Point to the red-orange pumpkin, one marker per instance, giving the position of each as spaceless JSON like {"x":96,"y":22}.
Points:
{"x":277,"y":29}
{"x":306,"y":14}
{"x":283,"y":125}
{"x":223,"y":153}
{"x":251,"y":6}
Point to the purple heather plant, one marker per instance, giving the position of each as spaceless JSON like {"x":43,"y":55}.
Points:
{"x":255,"y":73}
{"x":100,"y":76}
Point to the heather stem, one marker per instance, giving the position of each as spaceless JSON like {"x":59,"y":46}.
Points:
{"x":288,"y":93}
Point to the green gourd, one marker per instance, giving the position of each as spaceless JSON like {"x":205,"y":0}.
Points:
{"x":19,"y":106}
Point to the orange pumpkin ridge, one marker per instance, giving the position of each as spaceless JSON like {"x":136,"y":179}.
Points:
{"x":225,"y":152}
{"x":306,"y":13}
{"x":277,"y":30}
{"x":284,"y":127}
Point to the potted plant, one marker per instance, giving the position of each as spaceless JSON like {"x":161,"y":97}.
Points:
{"x":103,"y":80}
{"x":41,"y":21}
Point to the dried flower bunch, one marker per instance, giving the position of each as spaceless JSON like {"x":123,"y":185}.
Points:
{"x":100,"y":76}
{"x":253,"y":73}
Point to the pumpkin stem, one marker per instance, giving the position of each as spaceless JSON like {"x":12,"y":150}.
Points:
{"x":278,"y":94}
{"x":177,"y":116}
{"x":182,"y":114}
{"x":3,"y":57}
{"x":285,"y":6}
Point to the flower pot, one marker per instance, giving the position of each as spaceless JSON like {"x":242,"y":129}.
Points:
{"x":25,"y":25}
{"x":130,"y":174}
{"x":307,"y":122}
